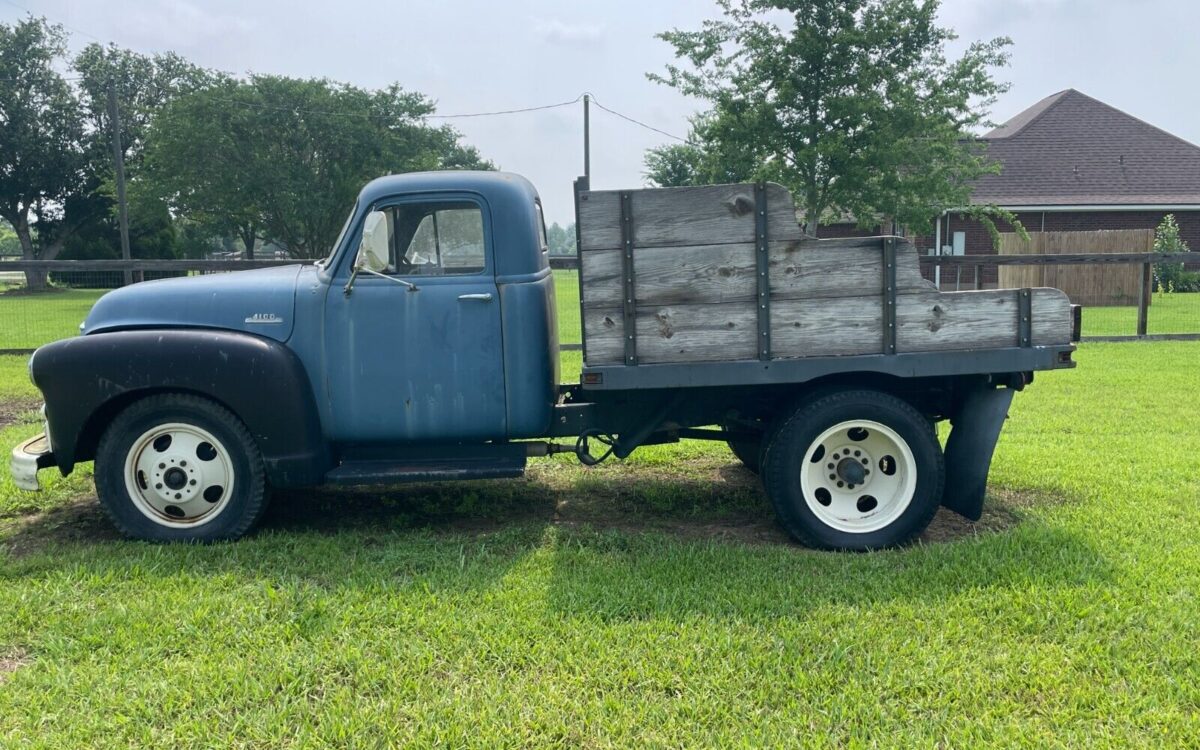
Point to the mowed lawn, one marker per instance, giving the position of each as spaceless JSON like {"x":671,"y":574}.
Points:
{"x":649,"y":603}
{"x":29,"y":320}
{"x":1168,"y":313}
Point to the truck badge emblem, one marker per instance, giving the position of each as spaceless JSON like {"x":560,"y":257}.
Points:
{"x":264,"y":318}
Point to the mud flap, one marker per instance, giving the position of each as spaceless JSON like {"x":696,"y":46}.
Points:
{"x":969,"y":449}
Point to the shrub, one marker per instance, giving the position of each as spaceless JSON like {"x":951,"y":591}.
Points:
{"x":1170,"y":277}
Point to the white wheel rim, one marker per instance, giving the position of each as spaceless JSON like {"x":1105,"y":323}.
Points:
{"x":874,"y":455}
{"x":179,"y":475}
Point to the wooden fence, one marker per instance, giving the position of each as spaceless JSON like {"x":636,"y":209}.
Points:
{"x":1094,"y":285}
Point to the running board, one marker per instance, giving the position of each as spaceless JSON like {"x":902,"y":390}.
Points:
{"x":426,"y":470}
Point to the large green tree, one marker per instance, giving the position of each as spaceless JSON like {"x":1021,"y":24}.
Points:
{"x":43,"y":164}
{"x":281,"y":159}
{"x":854,"y":105}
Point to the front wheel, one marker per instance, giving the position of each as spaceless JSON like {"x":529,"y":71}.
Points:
{"x":854,"y":470}
{"x":177,"y":467}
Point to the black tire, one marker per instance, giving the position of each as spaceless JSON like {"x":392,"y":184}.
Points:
{"x":749,"y":452}
{"x":230,"y":517}
{"x":784,"y":460}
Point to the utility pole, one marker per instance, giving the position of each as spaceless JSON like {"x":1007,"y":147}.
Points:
{"x":114,"y":121}
{"x":587,"y":140}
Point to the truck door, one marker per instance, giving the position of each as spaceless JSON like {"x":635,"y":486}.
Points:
{"x":422,"y":360}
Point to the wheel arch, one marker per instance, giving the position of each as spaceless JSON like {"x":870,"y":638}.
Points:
{"x":88,"y":380}
{"x":97,"y":422}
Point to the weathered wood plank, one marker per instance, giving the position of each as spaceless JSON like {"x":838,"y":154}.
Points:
{"x":978,"y":320}
{"x":814,"y":327}
{"x":725,"y":273}
{"x":681,"y":216}
{"x":669,"y":333}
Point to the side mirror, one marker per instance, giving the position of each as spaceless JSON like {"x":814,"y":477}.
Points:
{"x":372,"y":256}
{"x":373,"y":250}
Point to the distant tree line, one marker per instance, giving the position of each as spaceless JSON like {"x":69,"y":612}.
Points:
{"x":214,"y":162}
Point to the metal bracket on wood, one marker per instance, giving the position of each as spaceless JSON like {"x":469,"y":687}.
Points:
{"x":762,"y":267}
{"x":889,"y":295}
{"x":581,"y":186}
{"x":1025,"y":317}
{"x":627,"y":292}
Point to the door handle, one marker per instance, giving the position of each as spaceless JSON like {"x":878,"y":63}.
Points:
{"x":485,"y":297}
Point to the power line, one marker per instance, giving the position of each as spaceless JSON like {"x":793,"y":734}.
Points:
{"x":639,"y":123}
{"x":64,"y":25}
{"x":505,"y":111}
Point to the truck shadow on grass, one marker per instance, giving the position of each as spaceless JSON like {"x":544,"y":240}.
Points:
{"x":703,"y":500}
{"x":608,"y":523}
{"x":721,"y":556}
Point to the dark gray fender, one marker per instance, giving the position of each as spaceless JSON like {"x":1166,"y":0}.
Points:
{"x":969,"y":449}
{"x":87,"y":380}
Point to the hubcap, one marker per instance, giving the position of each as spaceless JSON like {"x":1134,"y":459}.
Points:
{"x":179,"y":475}
{"x":858,"y":476}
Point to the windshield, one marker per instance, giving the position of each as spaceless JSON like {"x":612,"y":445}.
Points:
{"x":341,"y":236}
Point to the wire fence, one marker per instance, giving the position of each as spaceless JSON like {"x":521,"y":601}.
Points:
{"x":43,"y":301}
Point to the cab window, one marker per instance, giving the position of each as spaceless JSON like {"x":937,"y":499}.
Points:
{"x":436,"y":239}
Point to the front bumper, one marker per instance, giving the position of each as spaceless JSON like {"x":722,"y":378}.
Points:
{"x":28,"y":458}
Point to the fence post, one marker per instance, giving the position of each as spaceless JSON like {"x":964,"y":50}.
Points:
{"x":1144,"y":299}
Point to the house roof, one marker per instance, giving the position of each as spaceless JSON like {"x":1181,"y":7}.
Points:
{"x":1070,"y":149}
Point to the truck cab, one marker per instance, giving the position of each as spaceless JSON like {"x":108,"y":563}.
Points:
{"x":452,"y":337}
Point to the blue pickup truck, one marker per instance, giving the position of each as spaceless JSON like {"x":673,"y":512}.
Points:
{"x":425,"y":348}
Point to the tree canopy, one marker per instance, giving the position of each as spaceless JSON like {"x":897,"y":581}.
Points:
{"x":207,"y":155}
{"x":854,"y":105}
{"x":43,"y":156}
{"x":282,"y":159}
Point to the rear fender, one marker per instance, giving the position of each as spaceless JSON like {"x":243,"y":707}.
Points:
{"x":87,"y":380}
{"x":975,"y":429}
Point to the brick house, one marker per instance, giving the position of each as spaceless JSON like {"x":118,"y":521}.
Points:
{"x":1072,"y":163}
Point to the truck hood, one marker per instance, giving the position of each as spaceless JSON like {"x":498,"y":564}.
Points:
{"x":260,"y":301}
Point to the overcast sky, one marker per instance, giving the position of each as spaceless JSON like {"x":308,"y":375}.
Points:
{"x":475,"y":56}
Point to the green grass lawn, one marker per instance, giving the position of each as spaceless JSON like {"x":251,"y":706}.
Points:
{"x":650,"y":603}
{"x":29,"y":320}
{"x":1169,"y":313}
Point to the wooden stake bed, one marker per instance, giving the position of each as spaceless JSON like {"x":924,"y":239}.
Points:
{"x":724,"y":273}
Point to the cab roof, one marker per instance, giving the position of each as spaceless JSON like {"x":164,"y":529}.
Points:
{"x":491,"y":185}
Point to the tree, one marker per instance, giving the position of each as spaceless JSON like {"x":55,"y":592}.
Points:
{"x":561,"y":239}
{"x":42,"y":156}
{"x":706,"y":158}
{"x":282,"y":159}
{"x":9,"y":244}
{"x":143,"y":85}
{"x":851,"y":104}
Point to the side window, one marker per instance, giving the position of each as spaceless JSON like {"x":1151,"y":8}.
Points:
{"x":541,"y":220}
{"x":437,"y":239}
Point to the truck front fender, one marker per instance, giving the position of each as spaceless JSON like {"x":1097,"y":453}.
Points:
{"x":87,"y":380}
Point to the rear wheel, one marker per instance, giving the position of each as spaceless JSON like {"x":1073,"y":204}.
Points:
{"x":854,"y":470}
{"x":180,"y":468}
